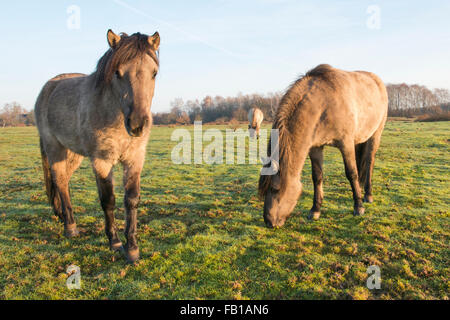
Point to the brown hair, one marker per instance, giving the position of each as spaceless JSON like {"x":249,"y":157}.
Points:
{"x":128,"y":48}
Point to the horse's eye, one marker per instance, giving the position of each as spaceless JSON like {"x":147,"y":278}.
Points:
{"x":118,"y":75}
{"x":154,"y":74}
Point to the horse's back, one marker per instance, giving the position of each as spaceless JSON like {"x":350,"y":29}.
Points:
{"x":259,"y":115}
{"x":355,"y":103}
{"x":54,"y":107}
{"x":63,"y":76}
{"x":255,"y":116}
{"x":49,"y":88}
{"x":371,"y":104}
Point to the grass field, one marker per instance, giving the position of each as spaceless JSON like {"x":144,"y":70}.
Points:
{"x":202,"y":236}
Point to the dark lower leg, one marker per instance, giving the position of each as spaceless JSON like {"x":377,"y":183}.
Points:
{"x":316,"y":156}
{"x":351,"y":173}
{"x":56,"y":205}
{"x":368,"y":185}
{"x":132,"y":197}
{"x":108,"y":201}
{"x":371,"y":151}
{"x":70,"y":227}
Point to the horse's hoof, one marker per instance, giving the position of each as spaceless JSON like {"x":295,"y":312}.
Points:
{"x":117,"y":247}
{"x":132,"y":255}
{"x":358,"y":211}
{"x":71,"y":231}
{"x":368,"y":199}
{"x":314,"y":215}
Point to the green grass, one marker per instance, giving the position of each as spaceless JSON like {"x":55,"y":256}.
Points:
{"x":202,"y":235}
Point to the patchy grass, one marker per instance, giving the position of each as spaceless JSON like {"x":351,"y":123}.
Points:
{"x":202,"y":234}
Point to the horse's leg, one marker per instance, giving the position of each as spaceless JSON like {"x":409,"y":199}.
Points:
{"x":371,"y":149}
{"x":131,"y":182}
{"x":50,"y":187}
{"x":105,"y":185}
{"x":351,"y":171}
{"x":61,"y":169}
{"x":316,"y":156}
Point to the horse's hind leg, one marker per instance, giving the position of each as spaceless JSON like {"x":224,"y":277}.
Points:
{"x":368,"y":162}
{"x":62,"y":165}
{"x":50,"y":187}
{"x":105,"y":185}
{"x":316,"y":156}
{"x":351,"y":171}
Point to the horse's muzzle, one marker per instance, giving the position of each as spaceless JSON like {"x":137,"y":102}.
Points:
{"x":273,"y":223}
{"x":136,"y":128}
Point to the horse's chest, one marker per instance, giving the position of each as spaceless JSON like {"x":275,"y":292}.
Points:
{"x":116,"y":148}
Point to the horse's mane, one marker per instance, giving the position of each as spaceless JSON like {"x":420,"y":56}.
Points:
{"x":288,"y":105}
{"x":128,"y":48}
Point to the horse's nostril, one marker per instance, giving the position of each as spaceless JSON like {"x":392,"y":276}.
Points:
{"x":137,"y":131}
{"x":268,"y":222}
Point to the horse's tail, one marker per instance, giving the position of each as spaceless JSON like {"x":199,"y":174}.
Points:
{"x":50,"y":187}
{"x":361,"y":161}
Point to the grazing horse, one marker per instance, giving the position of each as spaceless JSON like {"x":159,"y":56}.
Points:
{"x":326,"y":107}
{"x":104,"y":116}
{"x":255,"y":118}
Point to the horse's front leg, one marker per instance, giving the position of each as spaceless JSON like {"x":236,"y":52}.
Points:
{"x":131,"y":182}
{"x":105,"y":185}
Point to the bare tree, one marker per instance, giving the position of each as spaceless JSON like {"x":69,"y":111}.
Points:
{"x":13,"y":114}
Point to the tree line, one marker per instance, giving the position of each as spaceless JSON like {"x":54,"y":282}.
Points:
{"x":218,"y":109}
{"x":404,"y":101}
{"x":14,"y":115}
{"x":415,"y":100}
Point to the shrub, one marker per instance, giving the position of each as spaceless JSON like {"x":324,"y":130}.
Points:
{"x":442,"y":116}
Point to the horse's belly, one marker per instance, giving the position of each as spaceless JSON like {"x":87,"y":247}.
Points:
{"x":73,"y":144}
{"x":368,"y":122}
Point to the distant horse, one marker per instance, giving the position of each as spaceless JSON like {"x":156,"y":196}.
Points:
{"x":255,"y":118}
{"x":327,"y":106}
{"x":104,"y":116}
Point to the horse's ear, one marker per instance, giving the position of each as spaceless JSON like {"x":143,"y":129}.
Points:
{"x":154,"y":41}
{"x":113,"y":39}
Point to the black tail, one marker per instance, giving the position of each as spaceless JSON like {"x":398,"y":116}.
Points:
{"x":361,"y":161}
{"x":50,"y":188}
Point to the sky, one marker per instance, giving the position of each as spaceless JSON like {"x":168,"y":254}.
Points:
{"x":226,"y":47}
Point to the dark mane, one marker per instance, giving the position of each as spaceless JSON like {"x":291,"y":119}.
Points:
{"x":128,"y":49}
{"x":321,"y":71}
{"x":288,"y":104}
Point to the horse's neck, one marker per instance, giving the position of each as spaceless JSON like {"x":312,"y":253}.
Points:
{"x":302,"y":122}
{"x":103,"y":103}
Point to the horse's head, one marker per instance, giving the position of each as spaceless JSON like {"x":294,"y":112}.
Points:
{"x":280,"y":195}
{"x":131,"y":70}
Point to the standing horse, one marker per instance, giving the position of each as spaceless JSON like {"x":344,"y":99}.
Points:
{"x":327,"y":106}
{"x":104,"y":116}
{"x":255,"y":118}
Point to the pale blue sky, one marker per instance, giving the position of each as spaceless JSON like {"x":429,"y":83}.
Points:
{"x":222,"y":47}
